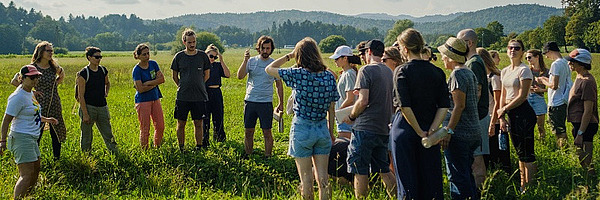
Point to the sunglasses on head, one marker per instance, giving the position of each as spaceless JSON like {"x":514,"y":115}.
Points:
{"x":97,"y":57}
{"x":514,"y":48}
{"x":213,"y":57}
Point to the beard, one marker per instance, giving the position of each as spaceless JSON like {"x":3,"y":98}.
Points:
{"x":265,"y":55}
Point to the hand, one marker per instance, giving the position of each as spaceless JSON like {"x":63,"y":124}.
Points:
{"x":347,"y":120}
{"x":501,"y":111}
{"x":504,"y":125}
{"x":492,"y":130}
{"x":52,"y":120}
{"x":422,"y":133}
{"x":445,"y":142}
{"x":280,"y":108}
{"x":247,"y":54}
{"x":86,"y":118}
{"x":579,"y":141}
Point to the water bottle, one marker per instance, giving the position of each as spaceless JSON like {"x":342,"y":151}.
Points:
{"x":503,"y":141}
{"x":434,"y":138}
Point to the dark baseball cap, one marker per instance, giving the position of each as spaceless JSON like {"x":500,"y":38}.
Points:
{"x":550,"y":46}
{"x":375,"y":46}
{"x":29,"y":70}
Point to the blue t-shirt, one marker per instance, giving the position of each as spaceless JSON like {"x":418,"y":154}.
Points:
{"x":314,"y":92}
{"x":259,"y":87}
{"x":144,"y":75}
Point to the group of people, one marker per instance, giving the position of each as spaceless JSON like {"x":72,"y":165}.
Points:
{"x":383,"y":111}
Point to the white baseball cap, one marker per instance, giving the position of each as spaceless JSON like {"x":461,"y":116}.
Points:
{"x":341,"y":51}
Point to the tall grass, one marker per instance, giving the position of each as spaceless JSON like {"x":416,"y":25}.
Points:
{"x":219,"y":171}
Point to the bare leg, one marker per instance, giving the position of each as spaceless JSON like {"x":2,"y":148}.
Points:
{"x":249,"y":141}
{"x":361,"y":186}
{"x":561,"y":140}
{"x":479,"y":170}
{"x":389,"y":180}
{"x":541,"y":119}
{"x":320,"y":163}
{"x":198,"y":131}
{"x":28,"y":176}
{"x":268,"y":135}
{"x":304,"y":166}
{"x":181,"y":133}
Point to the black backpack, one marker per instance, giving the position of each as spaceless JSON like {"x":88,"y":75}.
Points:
{"x":87,"y":77}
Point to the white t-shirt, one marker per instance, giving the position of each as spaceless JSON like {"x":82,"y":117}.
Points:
{"x":26,"y":111}
{"x":496,"y":84}
{"x":560,"y":96}
{"x":345,"y":84}
{"x":511,"y":79}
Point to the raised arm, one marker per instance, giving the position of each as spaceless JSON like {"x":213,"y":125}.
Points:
{"x":242,"y":71}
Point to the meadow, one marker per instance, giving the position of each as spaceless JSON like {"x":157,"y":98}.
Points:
{"x":219,"y":172}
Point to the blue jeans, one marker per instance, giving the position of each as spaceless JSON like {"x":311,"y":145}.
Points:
{"x":308,"y":138}
{"x":366,"y":151}
{"x":459,"y":159}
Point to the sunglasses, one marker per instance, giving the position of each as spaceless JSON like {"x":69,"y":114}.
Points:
{"x":33,"y":77}
{"x":49,"y":50}
{"x":213,"y":57}
{"x":514,"y":48}
{"x":97,"y":57}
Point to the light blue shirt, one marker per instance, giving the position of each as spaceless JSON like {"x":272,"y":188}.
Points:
{"x":259,"y":87}
{"x":560,"y":96}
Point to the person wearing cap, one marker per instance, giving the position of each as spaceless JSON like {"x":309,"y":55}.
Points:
{"x":258,"y":102}
{"x":558,"y":85}
{"x":475,"y":63}
{"x":370,"y":116}
{"x":583,"y":107}
{"x":516,"y":83}
{"x":53,"y":75}
{"x":311,"y":133}
{"x":92,"y":89}
{"x":344,"y":59}
{"x":462,"y":121}
{"x":23,"y":114}
{"x":362,"y":50}
{"x":421,"y":93}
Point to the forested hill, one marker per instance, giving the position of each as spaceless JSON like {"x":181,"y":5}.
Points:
{"x":515,"y":18}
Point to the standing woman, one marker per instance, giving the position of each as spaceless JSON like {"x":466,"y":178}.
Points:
{"x":516,"y":81}
{"x":498,"y":156}
{"x":311,"y":134}
{"x":214,"y":106}
{"x":583,"y":107}
{"x":536,"y":96}
{"x":421,"y":93}
{"x":49,"y":99}
{"x":147,"y":76}
{"x":464,"y":134}
{"x":24,"y":116}
{"x":392,"y":57}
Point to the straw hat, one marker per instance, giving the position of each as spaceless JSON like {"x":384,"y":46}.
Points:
{"x":455,"y":49}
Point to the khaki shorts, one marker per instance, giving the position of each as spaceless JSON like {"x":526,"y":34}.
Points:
{"x":24,"y":147}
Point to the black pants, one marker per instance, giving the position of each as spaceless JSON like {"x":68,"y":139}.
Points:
{"x":55,"y":143}
{"x":214,"y":108}
{"x":498,"y":159}
{"x":522,"y":122}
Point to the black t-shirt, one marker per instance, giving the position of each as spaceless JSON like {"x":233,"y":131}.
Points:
{"x":94,"y":86}
{"x":216,"y":72}
{"x":422,"y":86}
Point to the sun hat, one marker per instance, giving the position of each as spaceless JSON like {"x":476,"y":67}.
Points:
{"x":580,"y":55}
{"x":455,"y":49}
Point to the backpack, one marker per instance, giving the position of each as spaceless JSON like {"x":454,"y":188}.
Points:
{"x":87,"y":77}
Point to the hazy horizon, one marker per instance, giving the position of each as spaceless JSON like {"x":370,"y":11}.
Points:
{"x":160,"y":9}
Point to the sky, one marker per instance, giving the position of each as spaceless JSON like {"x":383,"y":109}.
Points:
{"x":160,"y":9}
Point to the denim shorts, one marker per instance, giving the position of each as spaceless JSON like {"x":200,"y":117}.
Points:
{"x":308,"y":138}
{"x":343,"y":127}
{"x":368,"y":152}
{"x":538,"y":103}
{"x":24,"y":147}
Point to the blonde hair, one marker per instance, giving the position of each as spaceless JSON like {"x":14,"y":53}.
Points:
{"x":211,"y":47}
{"x":412,"y":40}
{"x":38,"y":53}
{"x":488,"y":61}
{"x":394,"y":54}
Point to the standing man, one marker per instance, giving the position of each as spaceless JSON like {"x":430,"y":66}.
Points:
{"x":559,"y":85}
{"x":191,"y":68}
{"x":368,"y":149}
{"x":475,"y":63}
{"x":259,"y":94}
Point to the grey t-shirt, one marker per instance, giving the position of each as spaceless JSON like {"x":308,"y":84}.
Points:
{"x":345,"y":84}
{"x":464,"y":79}
{"x":377,"y":78}
{"x":191,"y":75}
{"x":259,"y":87}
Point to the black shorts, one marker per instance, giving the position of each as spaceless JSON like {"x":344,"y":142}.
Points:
{"x":590,"y":131}
{"x":182,"y":108}
{"x":256,"y":110}
{"x":522,"y":120}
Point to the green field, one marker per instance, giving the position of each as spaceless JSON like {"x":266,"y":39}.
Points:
{"x":219,"y":172}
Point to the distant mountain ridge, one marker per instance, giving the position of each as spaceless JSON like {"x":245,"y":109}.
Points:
{"x":515,"y":18}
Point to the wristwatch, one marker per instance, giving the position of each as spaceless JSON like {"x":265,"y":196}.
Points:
{"x":450,"y":131}
{"x":579,"y":132}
